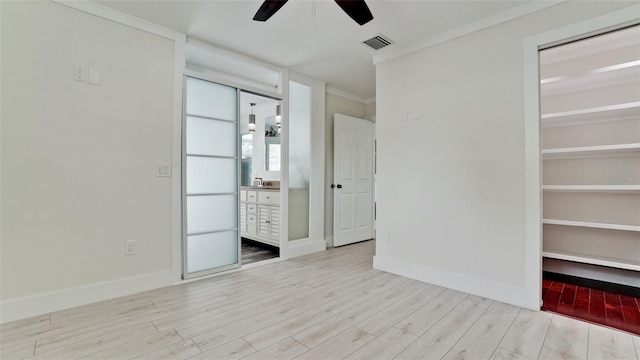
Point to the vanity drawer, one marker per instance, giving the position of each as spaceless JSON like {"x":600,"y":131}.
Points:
{"x":252,"y":219}
{"x":269,"y":197}
{"x":251,"y":208}
{"x":243,"y":195}
{"x":252,"y":195}
{"x":252,"y":229}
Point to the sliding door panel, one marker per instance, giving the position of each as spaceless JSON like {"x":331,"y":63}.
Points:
{"x":210,"y":181}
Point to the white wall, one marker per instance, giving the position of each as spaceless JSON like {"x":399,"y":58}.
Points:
{"x":451,"y":185}
{"x":78,"y":160}
{"x":334,"y":104}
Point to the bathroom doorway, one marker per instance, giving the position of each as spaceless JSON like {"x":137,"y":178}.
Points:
{"x":259,"y":203}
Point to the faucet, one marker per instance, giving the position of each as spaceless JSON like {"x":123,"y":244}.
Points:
{"x":259,"y":180}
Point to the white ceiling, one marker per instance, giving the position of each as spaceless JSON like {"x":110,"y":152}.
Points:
{"x":313,"y":38}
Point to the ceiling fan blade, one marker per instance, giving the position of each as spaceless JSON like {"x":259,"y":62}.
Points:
{"x":357,"y":10}
{"x":268,"y":8}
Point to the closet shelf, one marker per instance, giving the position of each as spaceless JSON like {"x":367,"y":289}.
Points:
{"x":591,"y":224}
{"x":594,"y":114}
{"x":593,"y":260}
{"x":606,"y":188}
{"x":592,"y":151}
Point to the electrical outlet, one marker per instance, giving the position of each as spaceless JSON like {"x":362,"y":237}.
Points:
{"x":131,"y":247}
{"x":387,"y":235}
{"x":80,"y":73}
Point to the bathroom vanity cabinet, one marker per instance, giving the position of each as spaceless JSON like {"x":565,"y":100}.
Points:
{"x":260,"y":214}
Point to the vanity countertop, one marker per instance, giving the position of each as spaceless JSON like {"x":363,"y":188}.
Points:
{"x":272,"y":188}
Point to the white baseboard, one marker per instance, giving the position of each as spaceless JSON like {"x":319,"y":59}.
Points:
{"x":16,"y":309}
{"x":329,"y":240}
{"x":476,"y":286}
{"x":305,"y":247}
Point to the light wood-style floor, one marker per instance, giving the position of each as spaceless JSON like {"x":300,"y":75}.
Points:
{"x":325,"y":306}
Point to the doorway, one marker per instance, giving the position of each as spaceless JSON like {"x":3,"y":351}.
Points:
{"x":260,"y":179}
{"x":590,"y":140}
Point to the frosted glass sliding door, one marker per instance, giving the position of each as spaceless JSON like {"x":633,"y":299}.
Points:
{"x":210,"y":158}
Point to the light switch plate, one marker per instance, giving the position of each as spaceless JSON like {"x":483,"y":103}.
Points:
{"x":94,"y":76}
{"x":163,"y":170}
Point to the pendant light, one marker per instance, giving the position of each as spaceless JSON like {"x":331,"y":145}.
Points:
{"x":252,"y":120}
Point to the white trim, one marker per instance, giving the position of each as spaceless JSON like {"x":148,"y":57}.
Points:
{"x":232,"y":55}
{"x":306,"y":247}
{"x":284,"y":168}
{"x":481,"y":24}
{"x":176,"y":155}
{"x":104,"y":12}
{"x":329,"y":240}
{"x":58,"y":300}
{"x":473,"y":285}
{"x":346,"y":95}
{"x":533,"y":173}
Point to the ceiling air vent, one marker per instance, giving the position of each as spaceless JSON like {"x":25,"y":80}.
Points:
{"x":378,"y":42}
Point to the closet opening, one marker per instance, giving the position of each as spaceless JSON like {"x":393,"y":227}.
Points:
{"x":590,"y":167}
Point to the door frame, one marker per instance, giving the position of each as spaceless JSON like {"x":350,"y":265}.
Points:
{"x":533,"y":164}
{"x":315,"y":242}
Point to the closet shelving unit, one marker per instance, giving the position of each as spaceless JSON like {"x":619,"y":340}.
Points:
{"x":591,"y":153}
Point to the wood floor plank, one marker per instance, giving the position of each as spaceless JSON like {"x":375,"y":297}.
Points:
{"x":483,"y":337}
{"x":387,"y":318}
{"x":527,"y":333}
{"x":385,"y":346}
{"x":233,"y":350}
{"x":553,"y":354}
{"x":211,"y":323}
{"x":290,"y":326}
{"x":186,"y":314}
{"x":178,"y":351}
{"x":136,"y":348}
{"x":77,"y":346}
{"x":78,"y":333}
{"x":428,"y":315}
{"x":284,"y":350}
{"x":105,"y":309}
{"x":607,"y":344}
{"x":440,"y":338}
{"x":340,"y":346}
{"x":506,"y":354}
{"x":323,"y":331}
{"x":18,"y":352}
{"x":237,"y":329}
{"x":26,"y":324}
{"x":568,"y":336}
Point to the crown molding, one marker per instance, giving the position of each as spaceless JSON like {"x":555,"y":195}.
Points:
{"x":104,"y":12}
{"x":346,"y":95}
{"x":478,"y":25}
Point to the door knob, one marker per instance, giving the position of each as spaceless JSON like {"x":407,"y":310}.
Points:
{"x":339,"y":186}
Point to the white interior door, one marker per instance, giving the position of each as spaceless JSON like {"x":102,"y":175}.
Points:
{"x":352,"y":180}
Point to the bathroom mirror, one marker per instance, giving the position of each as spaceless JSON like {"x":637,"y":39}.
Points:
{"x":261,"y":145}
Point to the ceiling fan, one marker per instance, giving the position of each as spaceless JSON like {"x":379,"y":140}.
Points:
{"x":356,"y":9}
